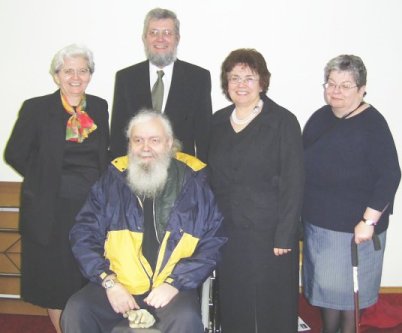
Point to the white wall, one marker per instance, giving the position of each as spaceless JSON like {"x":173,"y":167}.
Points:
{"x":296,"y":37}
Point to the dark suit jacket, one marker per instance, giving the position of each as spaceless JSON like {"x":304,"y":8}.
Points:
{"x":35,"y":150}
{"x":188,"y":105}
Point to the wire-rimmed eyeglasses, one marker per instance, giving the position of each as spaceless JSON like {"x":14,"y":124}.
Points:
{"x":249,"y":80}
{"x":164,"y":33}
{"x":344,"y":86}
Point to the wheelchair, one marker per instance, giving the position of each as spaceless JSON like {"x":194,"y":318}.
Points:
{"x":209,"y":310}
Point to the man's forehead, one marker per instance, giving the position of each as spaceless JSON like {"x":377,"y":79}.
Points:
{"x":148,"y":128}
{"x":161,"y":23}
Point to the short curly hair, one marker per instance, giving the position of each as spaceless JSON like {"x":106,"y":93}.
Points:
{"x":71,"y":51}
{"x":349,"y":63}
{"x":250,"y":58}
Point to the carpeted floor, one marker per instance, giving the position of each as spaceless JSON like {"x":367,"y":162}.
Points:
{"x":387,"y":312}
{"x":25,"y":324}
{"x":384,"y":317}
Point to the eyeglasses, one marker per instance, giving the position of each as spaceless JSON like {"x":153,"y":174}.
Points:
{"x":82,"y":72}
{"x":249,"y":80}
{"x":154,"y":33}
{"x":344,"y":86}
{"x":140,"y":141}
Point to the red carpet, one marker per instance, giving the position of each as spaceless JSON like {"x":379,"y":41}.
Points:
{"x":381,"y":318}
{"x":387,"y":311}
{"x":25,"y":324}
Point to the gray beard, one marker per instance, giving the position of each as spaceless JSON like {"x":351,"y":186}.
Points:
{"x":148,"y":180}
{"x":161,"y":60}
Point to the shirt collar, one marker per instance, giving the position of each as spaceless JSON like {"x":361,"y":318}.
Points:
{"x":168,"y":70}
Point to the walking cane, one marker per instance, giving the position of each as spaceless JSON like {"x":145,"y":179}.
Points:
{"x":355,"y":265}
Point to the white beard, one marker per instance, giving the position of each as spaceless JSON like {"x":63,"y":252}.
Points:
{"x":148,"y":179}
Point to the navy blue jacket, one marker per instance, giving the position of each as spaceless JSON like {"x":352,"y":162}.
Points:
{"x":109,"y":231}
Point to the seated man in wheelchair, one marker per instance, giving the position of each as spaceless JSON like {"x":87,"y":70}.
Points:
{"x":146,"y":238}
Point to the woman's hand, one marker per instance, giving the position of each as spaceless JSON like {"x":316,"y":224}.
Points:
{"x":363,"y":232}
{"x":280,"y":252}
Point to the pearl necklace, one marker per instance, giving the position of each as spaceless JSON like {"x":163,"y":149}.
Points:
{"x":254,"y":112}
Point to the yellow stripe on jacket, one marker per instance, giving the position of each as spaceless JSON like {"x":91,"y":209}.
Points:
{"x":123,"y":250}
{"x":121,"y":163}
{"x":184,"y":249}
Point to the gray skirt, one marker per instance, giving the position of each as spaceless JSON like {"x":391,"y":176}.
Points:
{"x":327,"y":269}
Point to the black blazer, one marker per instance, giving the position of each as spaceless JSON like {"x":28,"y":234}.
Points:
{"x":35,"y":151}
{"x":188,"y":105}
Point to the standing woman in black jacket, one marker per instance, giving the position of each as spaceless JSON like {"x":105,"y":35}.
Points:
{"x":255,"y":161}
{"x":59,"y":145}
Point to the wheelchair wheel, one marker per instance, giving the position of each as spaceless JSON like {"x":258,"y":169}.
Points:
{"x":210,"y":308}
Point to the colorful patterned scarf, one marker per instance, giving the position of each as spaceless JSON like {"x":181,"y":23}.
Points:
{"x":80,"y":124}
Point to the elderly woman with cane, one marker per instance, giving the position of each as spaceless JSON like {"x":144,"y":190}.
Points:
{"x":352,"y":174}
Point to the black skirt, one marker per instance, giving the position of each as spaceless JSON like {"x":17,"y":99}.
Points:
{"x":258,"y":290}
{"x":50,"y":274}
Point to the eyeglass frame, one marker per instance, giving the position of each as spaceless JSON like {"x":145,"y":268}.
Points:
{"x":166,"y":33}
{"x":70,"y":72}
{"x":342,"y":87}
{"x":248,"y":80}
{"x":153,"y":141}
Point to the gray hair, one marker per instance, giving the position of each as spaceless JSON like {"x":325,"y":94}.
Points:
{"x":71,"y":51}
{"x":145,"y":115}
{"x":161,"y":14}
{"x":349,"y":63}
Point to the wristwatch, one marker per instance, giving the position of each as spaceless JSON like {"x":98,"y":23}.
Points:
{"x":109,"y":282}
{"x":369,"y":222}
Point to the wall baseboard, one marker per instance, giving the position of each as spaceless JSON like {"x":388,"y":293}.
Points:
{"x":16,"y":306}
{"x":391,"y":290}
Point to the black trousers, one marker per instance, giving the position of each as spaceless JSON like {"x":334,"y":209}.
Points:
{"x":89,"y":311}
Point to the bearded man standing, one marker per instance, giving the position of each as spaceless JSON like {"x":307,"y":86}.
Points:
{"x":164,"y":83}
{"x":147,"y":237}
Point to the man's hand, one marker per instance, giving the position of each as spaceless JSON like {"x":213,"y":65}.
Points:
{"x":161,"y":295}
{"x":120,"y":299}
